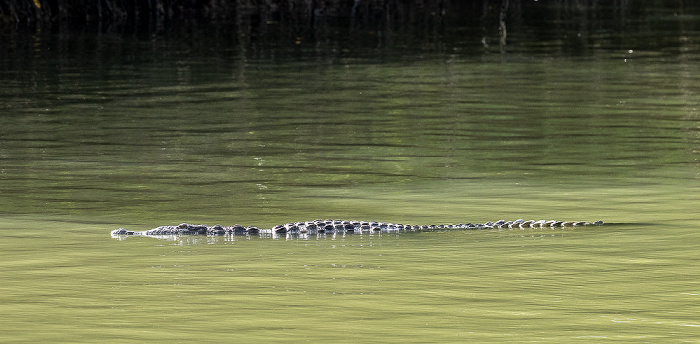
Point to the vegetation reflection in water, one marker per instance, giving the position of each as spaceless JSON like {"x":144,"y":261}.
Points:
{"x":445,"y":132}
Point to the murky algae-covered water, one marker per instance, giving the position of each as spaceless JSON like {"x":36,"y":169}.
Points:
{"x":437,"y":137}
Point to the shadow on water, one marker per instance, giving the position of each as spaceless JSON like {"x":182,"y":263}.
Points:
{"x":330,"y":29}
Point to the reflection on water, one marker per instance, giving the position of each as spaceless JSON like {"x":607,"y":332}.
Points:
{"x":294,"y":133}
{"x":223,"y":239}
{"x":101,"y":132}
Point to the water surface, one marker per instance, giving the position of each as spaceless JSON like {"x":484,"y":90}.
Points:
{"x":141,"y":133}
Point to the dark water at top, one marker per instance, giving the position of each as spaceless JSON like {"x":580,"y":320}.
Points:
{"x":588,"y":120}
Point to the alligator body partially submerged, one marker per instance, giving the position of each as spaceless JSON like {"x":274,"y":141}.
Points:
{"x":322,"y":227}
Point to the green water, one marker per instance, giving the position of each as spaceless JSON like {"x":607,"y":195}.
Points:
{"x":133,"y":136}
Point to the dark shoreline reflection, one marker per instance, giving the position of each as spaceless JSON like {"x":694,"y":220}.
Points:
{"x":381,"y":29}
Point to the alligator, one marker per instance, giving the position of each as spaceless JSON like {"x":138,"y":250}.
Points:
{"x":322,"y":227}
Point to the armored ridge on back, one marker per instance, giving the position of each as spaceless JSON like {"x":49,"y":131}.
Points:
{"x":339,"y":226}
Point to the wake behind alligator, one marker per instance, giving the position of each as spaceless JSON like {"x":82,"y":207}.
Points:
{"x":323,"y":227}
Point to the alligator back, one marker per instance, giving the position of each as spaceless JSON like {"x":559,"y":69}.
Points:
{"x":317,"y":227}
